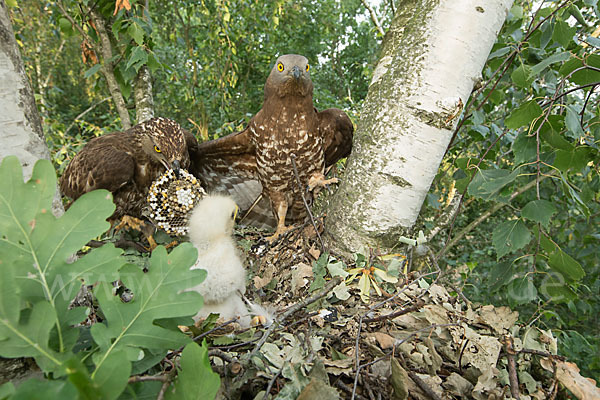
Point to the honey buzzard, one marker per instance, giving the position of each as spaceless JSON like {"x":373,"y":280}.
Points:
{"x":258,"y":160}
{"x":126,"y":163}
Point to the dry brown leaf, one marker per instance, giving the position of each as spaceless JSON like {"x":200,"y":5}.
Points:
{"x":384,"y":340}
{"x":260,"y":283}
{"x":299,"y":274}
{"x":120,"y":4}
{"x":583,"y":388}
{"x":313,"y":251}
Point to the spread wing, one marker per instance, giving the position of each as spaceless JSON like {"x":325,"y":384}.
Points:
{"x":228,"y":165}
{"x":337,"y":132}
{"x":100,"y":165}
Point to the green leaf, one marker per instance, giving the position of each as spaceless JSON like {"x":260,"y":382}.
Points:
{"x":92,"y":71}
{"x":157,"y":294}
{"x":196,"y":380}
{"x":522,"y":76}
{"x":523,"y":115}
{"x":572,"y":122}
{"x":584,"y":76}
{"x":563,"y":33}
{"x":46,"y":389}
{"x":558,"y":57}
{"x":138,"y":58}
{"x":575,"y":159}
{"x":136,"y":32}
{"x":6,"y":390}
{"x":569,"y":191}
{"x":525,"y":148}
{"x":551,"y":133}
{"x":522,"y":290}
{"x":557,"y":290}
{"x":113,"y":375}
{"x":488,"y":182}
{"x":36,"y":245}
{"x":539,"y":211}
{"x":510,"y":236}
{"x":500,"y":274}
{"x":566,"y":265}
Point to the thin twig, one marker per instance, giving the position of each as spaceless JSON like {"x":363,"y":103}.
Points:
{"x":301,"y":190}
{"x":512,"y":366}
{"x":301,"y":304}
{"x":90,"y":108}
{"x":163,"y":390}
{"x":272,"y":382}
{"x":484,"y":216}
{"x":420,"y":303}
{"x":587,"y":98}
{"x":146,"y":378}
{"x":221,"y":354}
{"x":373,"y":17}
{"x":216,"y":328}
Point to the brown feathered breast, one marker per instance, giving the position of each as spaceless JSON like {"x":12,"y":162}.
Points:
{"x":258,"y":160}
{"x":126,"y":163}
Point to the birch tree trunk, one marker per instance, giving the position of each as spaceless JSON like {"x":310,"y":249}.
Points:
{"x":20,"y":125}
{"x":142,"y":93}
{"x":431,"y":57}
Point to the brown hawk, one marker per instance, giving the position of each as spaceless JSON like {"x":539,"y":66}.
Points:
{"x":126,"y":163}
{"x":258,"y":160}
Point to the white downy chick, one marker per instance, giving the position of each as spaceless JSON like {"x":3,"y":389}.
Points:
{"x":210,"y":230}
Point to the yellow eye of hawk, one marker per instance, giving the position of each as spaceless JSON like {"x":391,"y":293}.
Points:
{"x":280,"y":67}
{"x":307,"y":67}
{"x":156,"y":149}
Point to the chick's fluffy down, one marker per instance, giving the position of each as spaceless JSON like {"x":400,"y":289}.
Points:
{"x":211,"y":227}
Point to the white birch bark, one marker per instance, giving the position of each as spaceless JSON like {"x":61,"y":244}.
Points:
{"x":20,"y":125}
{"x":431,"y":57}
{"x":142,"y":93}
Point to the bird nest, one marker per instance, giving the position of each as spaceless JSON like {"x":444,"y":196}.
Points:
{"x":171,"y":199}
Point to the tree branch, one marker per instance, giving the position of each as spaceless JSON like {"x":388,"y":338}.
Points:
{"x":486,"y":215}
{"x":373,"y":17}
{"x":108,"y":71}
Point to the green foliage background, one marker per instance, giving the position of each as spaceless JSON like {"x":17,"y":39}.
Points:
{"x":531,"y":125}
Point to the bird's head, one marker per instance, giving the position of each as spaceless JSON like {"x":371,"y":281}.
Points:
{"x":163,"y":140}
{"x":213,"y":218}
{"x":290,"y":76}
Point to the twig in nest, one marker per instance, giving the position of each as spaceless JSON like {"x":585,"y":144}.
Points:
{"x":420,"y":303}
{"x":398,"y":343}
{"x":222,"y":355}
{"x":419,"y":382}
{"x":512,"y":366}
{"x":272,"y":382}
{"x":120,"y":243}
{"x":216,"y":328}
{"x":301,"y":190}
{"x":542,"y":353}
{"x":301,"y":304}
{"x":348,"y":389}
{"x":362,"y":317}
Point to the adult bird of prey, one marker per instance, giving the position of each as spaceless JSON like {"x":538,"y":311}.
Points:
{"x":126,"y":163}
{"x":255,"y":165}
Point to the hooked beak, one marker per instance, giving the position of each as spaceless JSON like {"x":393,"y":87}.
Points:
{"x":296,"y":72}
{"x":176,"y":166}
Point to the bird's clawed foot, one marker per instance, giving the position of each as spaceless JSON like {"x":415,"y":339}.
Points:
{"x":281,"y":229}
{"x":318,"y":180}
{"x":139,"y":225}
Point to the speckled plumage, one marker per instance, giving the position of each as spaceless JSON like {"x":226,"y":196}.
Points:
{"x":126,"y":163}
{"x":258,"y":159}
